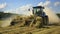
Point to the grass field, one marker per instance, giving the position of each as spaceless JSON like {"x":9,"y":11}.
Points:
{"x":16,"y":29}
{"x":30,"y":30}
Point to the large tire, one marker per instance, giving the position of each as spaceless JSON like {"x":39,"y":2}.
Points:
{"x":45,"y":20}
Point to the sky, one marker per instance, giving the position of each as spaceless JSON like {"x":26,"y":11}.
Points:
{"x":17,"y":6}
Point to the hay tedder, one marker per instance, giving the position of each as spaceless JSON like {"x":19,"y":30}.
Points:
{"x":38,"y":19}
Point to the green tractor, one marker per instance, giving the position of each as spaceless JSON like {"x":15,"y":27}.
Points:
{"x":40,"y":18}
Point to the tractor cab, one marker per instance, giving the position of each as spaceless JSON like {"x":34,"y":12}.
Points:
{"x":38,"y":10}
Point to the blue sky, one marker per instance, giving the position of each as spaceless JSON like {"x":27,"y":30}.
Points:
{"x":13,"y":4}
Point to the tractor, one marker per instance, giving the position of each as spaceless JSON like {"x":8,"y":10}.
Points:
{"x":38,"y":19}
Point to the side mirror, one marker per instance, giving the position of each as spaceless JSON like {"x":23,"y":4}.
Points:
{"x":43,"y":7}
{"x":28,"y":9}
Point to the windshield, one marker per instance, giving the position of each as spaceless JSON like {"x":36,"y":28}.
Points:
{"x":36,"y":10}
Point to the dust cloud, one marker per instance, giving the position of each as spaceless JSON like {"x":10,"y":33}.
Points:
{"x":53,"y":18}
{"x":6,"y":22}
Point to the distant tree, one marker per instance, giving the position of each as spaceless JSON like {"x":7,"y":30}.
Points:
{"x":58,"y":14}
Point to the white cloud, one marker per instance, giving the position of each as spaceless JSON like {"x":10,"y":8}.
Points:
{"x":40,"y":4}
{"x":3,"y":5}
{"x":46,"y":3}
{"x":57,"y":3}
{"x":25,"y":7}
{"x":21,"y":10}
